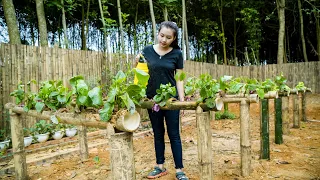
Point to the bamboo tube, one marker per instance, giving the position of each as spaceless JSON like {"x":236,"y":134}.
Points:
{"x":296,"y":122}
{"x":19,"y":156}
{"x":125,"y":121}
{"x":271,"y":95}
{"x":173,"y":104}
{"x":295,"y":91}
{"x":245,"y":143}
{"x":252,"y":98}
{"x":304,"y":103}
{"x":62,"y":117}
{"x":121,"y":156}
{"x":264,"y":129}
{"x":285,"y":115}
{"x":204,"y":140}
{"x":278,"y":120}
{"x":83,"y":144}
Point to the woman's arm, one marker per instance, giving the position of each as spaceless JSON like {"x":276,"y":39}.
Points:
{"x":180,"y":88}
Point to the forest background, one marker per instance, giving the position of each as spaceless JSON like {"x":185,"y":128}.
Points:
{"x":234,"y":32}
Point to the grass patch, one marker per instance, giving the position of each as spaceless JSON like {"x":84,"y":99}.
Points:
{"x":224,"y":115}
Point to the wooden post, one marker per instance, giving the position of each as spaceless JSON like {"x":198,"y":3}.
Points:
{"x":278,"y":121}
{"x":245,"y":143}
{"x":296,"y":122}
{"x":204,"y":140}
{"x":19,"y":156}
{"x":83,"y":144}
{"x":264,"y":129}
{"x":303,"y":106}
{"x":121,"y":156}
{"x":285,"y":115}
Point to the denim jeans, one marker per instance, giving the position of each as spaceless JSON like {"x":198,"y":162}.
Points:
{"x":172,"y":121}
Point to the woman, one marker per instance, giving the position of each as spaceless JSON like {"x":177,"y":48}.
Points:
{"x":164,"y":60}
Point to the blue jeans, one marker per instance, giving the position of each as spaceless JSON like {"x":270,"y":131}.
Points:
{"x":172,"y":122}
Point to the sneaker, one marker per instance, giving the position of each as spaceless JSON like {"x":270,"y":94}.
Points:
{"x":181,"y":176}
{"x":157,"y":172}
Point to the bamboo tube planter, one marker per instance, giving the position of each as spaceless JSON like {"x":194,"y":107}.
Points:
{"x":278,"y":121}
{"x":245,"y":143}
{"x":264,"y":129}
{"x":285,"y":115}
{"x":296,"y":122}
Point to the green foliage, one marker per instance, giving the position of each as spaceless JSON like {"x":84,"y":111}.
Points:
{"x":164,"y":93}
{"x":224,"y":115}
{"x":53,"y":95}
{"x":300,"y":87}
{"x":124,"y":95}
{"x":281,"y":81}
{"x":3,"y":135}
{"x":42,"y":127}
{"x":19,"y":93}
{"x":208,"y":88}
{"x":180,"y":75}
{"x":190,"y":87}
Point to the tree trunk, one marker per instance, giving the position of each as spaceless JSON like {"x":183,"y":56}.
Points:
{"x":42,"y":23}
{"x":11,"y":20}
{"x":153,"y":22}
{"x":281,"y":13}
{"x":305,"y":57}
{"x":186,"y":29}
{"x":183,"y":30}
{"x":318,"y":33}
{"x":235,"y":37}
{"x":135,"y":38}
{"x":64,"y":24}
{"x":165,"y":13}
{"x":87,"y":23}
{"x":104,"y":63}
{"x":83,"y":36}
{"x":120,"y":26}
{"x":223,"y":36}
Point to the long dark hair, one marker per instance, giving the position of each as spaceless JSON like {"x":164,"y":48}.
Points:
{"x":174,"y":27}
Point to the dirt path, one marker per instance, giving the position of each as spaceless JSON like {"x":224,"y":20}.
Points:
{"x":297,"y":158}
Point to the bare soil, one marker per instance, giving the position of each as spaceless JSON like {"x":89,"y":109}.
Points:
{"x":297,"y":158}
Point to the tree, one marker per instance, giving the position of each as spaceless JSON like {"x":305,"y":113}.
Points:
{"x":223,"y":40}
{"x":11,"y":21}
{"x":302,"y":33}
{"x":153,"y":22}
{"x":281,"y":4}
{"x":120,"y":26}
{"x":42,"y":24}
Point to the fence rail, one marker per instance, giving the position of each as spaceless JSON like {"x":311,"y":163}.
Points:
{"x":21,"y":63}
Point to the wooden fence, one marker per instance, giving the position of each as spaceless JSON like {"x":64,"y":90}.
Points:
{"x":20,"y":63}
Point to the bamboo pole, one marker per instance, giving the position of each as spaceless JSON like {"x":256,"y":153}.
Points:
{"x":173,"y":104}
{"x":204,"y":140}
{"x":253,"y":98}
{"x":285,"y":115}
{"x":278,"y":120}
{"x":121,"y":156}
{"x":83,"y":144}
{"x":245,"y":143}
{"x":19,"y":156}
{"x":264,"y":130}
{"x":296,"y":122}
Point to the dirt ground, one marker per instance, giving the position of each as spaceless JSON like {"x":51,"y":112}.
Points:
{"x":297,"y":158}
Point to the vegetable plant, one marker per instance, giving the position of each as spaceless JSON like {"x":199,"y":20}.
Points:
{"x":42,"y":127}
{"x":124,"y":95}
{"x":164,"y":93}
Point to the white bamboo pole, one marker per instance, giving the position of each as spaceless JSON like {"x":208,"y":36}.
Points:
{"x":245,"y":143}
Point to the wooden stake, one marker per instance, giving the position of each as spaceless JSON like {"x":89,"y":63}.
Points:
{"x":296,"y":122}
{"x":83,"y":144}
{"x":245,"y":143}
{"x":121,"y":156}
{"x":264,"y":130}
{"x":285,"y":115}
{"x":20,"y":164}
{"x":278,"y":120}
{"x":204,"y":140}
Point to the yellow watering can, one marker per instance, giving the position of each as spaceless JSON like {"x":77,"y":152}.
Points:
{"x":142,"y":65}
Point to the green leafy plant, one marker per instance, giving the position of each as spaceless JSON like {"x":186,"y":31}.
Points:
{"x":164,"y":93}
{"x":53,"y":95}
{"x":3,"y":135}
{"x":281,"y":84}
{"x":42,"y":127}
{"x":124,"y":95}
{"x":300,"y":87}
{"x":180,"y":75}
{"x":190,"y":87}
{"x":84,"y":96}
{"x":208,"y":89}
{"x":224,"y":115}
{"x":19,"y":93}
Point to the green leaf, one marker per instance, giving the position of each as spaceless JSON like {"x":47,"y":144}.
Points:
{"x":133,"y":90}
{"x":39,"y":106}
{"x":62,"y":99}
{"x":163,"y":103}
{"x":96,"y":96}
{"x":128,"y":102}
{"x":54,"y":119}
{"x":73,"y":80}
{"x":120,"y":77}
{"x":112,"y":95}
{"x":82,"y":87}
{"x":157,"y":98}
{"x":210,"y":102}
{"x":106,"y":112}
{"x":82,"y":100}
{"x":142,"y":77}
{"x":260,"y":93}
{"x":180,"y":75}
